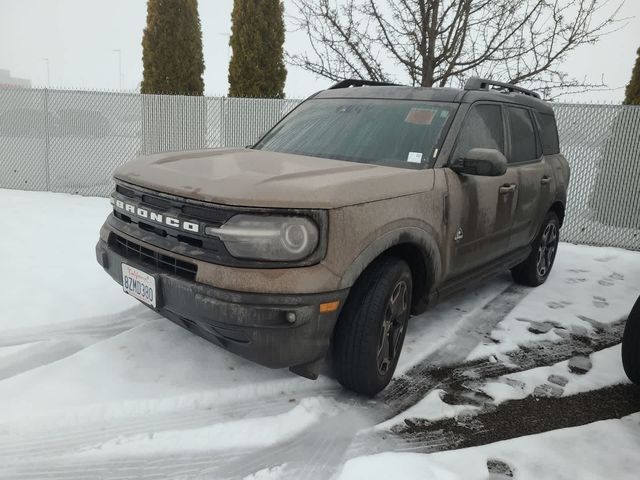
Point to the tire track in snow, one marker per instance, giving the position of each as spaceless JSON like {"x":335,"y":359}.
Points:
{"x":306,"y":456}
{"x":529,"y":416}
{"x":332,"y":439}
{"x":458,"y":383}
{"x":51,"y":442}
{"x":329,"y":441}
{"x":408,"y":389}
{"x":41,"y":353}
{"x":64,"y":340}
{"x":101,"y":327}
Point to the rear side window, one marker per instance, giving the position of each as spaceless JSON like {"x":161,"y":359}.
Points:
{"x":483,"y":128}
{"x":524,"y":147}
{"x":549,"y":133}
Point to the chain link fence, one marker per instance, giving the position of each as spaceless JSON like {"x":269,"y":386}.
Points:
{"x":71,"y":141}
{"x":602,"y":144}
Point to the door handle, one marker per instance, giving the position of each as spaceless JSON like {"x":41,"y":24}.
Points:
{"x":545,"y":180}
{"x":505,"y":189}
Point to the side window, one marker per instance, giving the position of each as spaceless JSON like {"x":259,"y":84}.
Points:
{"x":482,"y":128}
{"x":549,"y":133}
{"x":524,"y":147}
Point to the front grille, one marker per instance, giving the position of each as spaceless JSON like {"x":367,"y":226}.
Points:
{"x":164,"y":263}
{"x":213,"y":214}
{"x":197,"y":245}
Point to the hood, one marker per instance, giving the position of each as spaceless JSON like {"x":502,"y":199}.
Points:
{"x":246,"y":177}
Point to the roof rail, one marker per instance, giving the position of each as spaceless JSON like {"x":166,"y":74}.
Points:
{"x":352,"y":82}
{"x":475,"y":83}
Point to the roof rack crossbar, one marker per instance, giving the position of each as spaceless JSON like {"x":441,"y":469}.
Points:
{"x":352,"y":82}
{"x":475,"y":83}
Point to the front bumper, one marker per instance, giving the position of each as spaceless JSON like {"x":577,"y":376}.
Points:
{"x":252,"y":325}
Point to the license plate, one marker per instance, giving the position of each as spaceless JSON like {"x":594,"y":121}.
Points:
{"x":139,"y":284}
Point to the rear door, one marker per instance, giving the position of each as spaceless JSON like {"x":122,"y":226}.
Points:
{"x":481,"y":208}
{"x":533,"y":175}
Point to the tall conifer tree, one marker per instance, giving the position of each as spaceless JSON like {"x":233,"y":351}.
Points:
{"x":172,"y":48}
{"x":632,"y":92}
{"x":257,"y":66}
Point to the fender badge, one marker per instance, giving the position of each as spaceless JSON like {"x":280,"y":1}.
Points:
{"x":459,"y":235}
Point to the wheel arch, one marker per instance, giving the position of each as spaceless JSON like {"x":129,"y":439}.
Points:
{"x":415,"y":246}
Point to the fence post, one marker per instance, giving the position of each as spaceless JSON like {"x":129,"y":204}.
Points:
{"x":47,"y":128}
{"x":223,"y":126}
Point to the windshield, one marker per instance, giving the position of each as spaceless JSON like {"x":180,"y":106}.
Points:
{"x":397,"y":133}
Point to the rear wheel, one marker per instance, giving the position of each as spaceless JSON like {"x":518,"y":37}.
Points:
{"x":536,"y":268}
{"x":631,"y":345}
{"x":372,"y":326}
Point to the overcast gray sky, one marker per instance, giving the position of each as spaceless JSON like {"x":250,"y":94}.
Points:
{"x":79,"y":38}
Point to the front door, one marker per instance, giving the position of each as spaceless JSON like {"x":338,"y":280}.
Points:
{"x":481,"y":208}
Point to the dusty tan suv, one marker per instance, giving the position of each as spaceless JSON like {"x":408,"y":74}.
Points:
{"x":364,"y":205}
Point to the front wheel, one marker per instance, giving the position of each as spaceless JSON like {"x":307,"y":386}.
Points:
{"x":372,"y":325}
{"x":536,"y":268}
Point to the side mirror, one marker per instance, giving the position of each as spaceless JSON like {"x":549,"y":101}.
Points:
{"x":486,"y":162}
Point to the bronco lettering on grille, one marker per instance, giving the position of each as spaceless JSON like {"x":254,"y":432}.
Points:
{"x":156,"y":217}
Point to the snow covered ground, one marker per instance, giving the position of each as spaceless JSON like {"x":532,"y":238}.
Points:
{"x":94,"y":385}
{"x":601,"y":450}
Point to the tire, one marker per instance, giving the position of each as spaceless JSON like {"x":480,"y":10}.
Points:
{"x":372,"y":325}
{"x":536,"y":268}
{"x":631,"y":345}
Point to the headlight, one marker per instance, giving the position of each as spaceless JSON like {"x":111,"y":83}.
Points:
{"x":267,"y":237}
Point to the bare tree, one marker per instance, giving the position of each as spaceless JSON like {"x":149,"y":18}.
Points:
{"x":443,"y":42}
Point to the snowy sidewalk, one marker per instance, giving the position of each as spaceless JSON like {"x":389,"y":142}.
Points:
{"x":94,"y":385}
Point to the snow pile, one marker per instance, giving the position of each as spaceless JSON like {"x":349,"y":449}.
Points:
{"x":269,"y":473}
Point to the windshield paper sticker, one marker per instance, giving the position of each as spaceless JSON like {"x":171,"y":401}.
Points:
{"x":414,"y":157}
{"x":420,"y":116}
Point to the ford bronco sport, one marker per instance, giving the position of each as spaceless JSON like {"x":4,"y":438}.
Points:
{"x":367,"y":203}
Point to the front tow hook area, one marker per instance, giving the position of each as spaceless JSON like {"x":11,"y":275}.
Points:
{"x":309,"y":370}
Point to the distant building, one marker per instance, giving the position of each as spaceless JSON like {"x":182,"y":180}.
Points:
{"x":6,"y":80}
